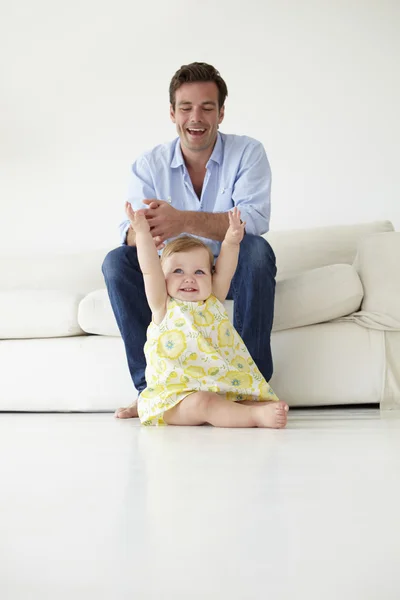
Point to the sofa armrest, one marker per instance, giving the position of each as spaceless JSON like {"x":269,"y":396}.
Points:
{"x":378,"y":264}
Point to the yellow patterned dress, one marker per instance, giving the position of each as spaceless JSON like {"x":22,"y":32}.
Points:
{"x":196,"y":348}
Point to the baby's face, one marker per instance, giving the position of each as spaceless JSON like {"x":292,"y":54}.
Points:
{"x":188,"y":275}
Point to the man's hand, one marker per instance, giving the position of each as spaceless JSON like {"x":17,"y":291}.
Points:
{"x":165,"y":221}
{"x":235,"y":232}
{"x":137,"y":219}
{"x":138,"y":223}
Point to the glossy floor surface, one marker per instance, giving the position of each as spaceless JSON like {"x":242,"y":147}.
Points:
{"x":96,"y":508}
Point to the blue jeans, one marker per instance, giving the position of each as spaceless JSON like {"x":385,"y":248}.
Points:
{"x":252,"y":290}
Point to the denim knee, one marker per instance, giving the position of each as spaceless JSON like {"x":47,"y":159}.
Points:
{"x":257,"y":254}
{"x":115,"y":260}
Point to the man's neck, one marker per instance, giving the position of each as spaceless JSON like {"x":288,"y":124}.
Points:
{"x":197,"y":161}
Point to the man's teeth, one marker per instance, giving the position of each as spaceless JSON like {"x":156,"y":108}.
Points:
{"x":196,"y":130}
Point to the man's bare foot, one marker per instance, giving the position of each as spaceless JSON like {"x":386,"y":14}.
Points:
{"x":273,"y":415}
{"x":129,"y":412}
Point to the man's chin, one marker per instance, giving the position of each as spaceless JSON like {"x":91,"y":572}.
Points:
{"x":200,"y":147}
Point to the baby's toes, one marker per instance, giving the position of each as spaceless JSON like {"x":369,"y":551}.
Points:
{"x":281,"y":413}
{"x":281,"y":421}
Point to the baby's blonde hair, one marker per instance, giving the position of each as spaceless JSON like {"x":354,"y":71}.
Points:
{"x":185,"y":243}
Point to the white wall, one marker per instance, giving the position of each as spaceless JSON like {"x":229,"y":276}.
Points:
{"x":84,"y":90}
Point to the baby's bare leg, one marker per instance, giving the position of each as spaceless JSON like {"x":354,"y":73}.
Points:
{"x":208,"y":407}
{"x":256,"y":402}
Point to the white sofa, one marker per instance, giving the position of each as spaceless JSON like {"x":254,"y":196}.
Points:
{"x":336,"y":337}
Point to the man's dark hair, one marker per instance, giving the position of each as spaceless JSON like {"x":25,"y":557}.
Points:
{"x":197,"y":72}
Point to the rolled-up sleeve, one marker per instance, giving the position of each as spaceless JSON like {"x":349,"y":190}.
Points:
{"x":140,"y":187}
{"x":252,"y":190}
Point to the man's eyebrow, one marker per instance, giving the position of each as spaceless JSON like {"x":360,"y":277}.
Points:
{"x":203,"y":103}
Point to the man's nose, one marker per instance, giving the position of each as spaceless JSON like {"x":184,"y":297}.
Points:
{"x":195,"y":116}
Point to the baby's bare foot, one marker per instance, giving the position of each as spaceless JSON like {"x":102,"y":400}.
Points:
{"x":273,"y":414}
{"x":129,"y":412}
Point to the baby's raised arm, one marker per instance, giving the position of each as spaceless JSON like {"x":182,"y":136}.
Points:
{"x":154,"y":280}
{"x":227,"y":260}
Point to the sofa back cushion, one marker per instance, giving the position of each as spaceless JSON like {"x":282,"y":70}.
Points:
{"x":80,"y":272}
{"x":300,"y":250}
{"x":317,"y":296}
{"x":313,"y":297}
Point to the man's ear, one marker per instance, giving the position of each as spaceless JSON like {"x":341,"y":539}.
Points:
{"x":172,"y":113}
{"x":221,"y":114}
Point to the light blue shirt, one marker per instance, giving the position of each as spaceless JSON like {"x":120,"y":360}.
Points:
{"x":237,"y":174}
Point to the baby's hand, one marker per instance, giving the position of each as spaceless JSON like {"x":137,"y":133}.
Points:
{"x":235,"y":232}
{"x":137,"y":218}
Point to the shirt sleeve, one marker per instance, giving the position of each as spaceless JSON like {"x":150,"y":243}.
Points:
{"x":140,"y":187}
{"x":252,"y":190}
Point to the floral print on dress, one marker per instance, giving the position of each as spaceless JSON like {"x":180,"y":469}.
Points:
{"x":196,"y":348}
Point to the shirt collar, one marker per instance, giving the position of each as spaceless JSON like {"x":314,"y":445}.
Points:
{"x":177,"y":158}
{"x":216,"y":156}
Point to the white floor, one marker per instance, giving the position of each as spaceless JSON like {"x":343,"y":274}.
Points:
{"x":95,"y":508}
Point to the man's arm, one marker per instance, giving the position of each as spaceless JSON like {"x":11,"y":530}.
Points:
{"x":167,"y":222}
{"x":209,"y":225}
{"x":252,"y":189}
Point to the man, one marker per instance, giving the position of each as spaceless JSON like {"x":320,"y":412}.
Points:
{"x":189,"y":185}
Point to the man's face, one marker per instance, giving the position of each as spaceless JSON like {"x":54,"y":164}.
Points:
{"x":197,"y":115}
{"x":188,"y":275}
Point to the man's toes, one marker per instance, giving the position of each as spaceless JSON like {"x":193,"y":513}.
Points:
{"x":123,"y":413}
{"x":128,"y":412}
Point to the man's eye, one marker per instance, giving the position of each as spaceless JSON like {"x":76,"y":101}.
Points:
{"x":185,"y":109}
{"x":208,"y":109}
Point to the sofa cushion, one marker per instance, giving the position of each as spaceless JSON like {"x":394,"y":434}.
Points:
{"x":331,"y":363}
{"x":317,"y":296}
{"x":38,"y":314}
{"x":95,"y":314}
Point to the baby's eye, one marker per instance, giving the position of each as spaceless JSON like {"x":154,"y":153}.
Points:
{"x":178,"y":271}
{"x":199,"y":272}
